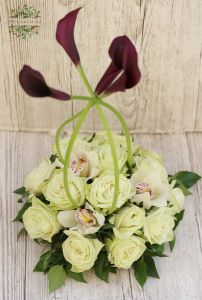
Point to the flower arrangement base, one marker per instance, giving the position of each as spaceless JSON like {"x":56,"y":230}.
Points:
{"x":99,"y":202}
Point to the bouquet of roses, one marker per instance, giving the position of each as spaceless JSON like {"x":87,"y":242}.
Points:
{"x":99,"y":201}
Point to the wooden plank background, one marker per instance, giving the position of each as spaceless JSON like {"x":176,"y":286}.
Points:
{"x":180,"y":273}
{"x":167,"y":34}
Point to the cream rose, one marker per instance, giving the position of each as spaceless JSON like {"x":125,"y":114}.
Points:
{"x":141,"y":154}
{"x":40,"y":221}
{"x":158,"y":226}
{"x":101,"y":138}
{"x":79,"y":144}
{"x":128,"y":221}
{"x":176,"y":200}
{"x":106,"y":159}
{"x":101,"y":192}
{"x":151,"y":182}
{"x":35,"y":180}
{"x":123,"y":253}
{"x":56,"y":194}
{"x":80,"y":252}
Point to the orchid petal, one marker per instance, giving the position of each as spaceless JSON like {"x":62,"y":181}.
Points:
{"x":124,"y":59}
{"x":65,"y":35}
{"x":34,"y":85}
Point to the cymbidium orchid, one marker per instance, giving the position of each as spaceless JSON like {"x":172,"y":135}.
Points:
{"x":85,"y":220}
{"x":122,"y":73}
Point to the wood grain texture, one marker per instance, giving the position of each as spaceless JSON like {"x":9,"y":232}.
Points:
{"x":167,"y":34}
{"x":180,"y":273}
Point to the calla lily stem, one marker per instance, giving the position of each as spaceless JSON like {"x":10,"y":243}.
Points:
{"x":58,"y":133}
{"x":114,"y":156}
{"x":93,"y":100}
{"x":73,"y":137}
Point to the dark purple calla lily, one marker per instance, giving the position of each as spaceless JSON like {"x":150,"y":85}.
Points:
{"x":123,"y":72}
{"x":65,"y":35}
{"x":34,"y":85}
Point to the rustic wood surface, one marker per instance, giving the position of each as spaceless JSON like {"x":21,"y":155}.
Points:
{"x":180,"y":273}
{"x":168,"y":36}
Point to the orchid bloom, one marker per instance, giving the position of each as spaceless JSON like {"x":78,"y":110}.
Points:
{"x":122,"y":73}
{"x":85,"y":220}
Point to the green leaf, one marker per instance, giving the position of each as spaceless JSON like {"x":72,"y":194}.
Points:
{"x":21,"y":212}
{"x":151,"y":267}
{"x":76,"y":276}
{"x":157,"y":247}
{"x":172,"y":244}
{"x":43,"y":263}
{"x":185,"y":191}
{"x":41,"y":241}
{"x":155,"y":250}
{"x":140,"y":269}
{"x":91,"y":138}
{"x":53,"y":158}
{"x":107,"y":226}
{"x":21,"y":191}
{"x":21,"y":232}
{"x":90,"y":236}
{"x":178,"y":218}
{"x":155,"y":253}
{"x":56,"y":277}
{"x":102,"y":267}
{"x":188,"y":179}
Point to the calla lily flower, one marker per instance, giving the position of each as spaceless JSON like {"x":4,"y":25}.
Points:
{"x":123,"y":72}
{"x":35,"y":85}
{"x":65,"y":35}
{"x":85,"y":220}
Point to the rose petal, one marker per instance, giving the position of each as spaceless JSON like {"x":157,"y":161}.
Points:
{"x":34,"y":85}
{"x":65,"y":35}
{"x":67,"y":218}
{"x":124,"y":59}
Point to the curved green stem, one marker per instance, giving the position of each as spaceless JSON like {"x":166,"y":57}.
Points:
{"x":125,"y":128}
{"x":82,"y":98}
{"x":77,"y":127}
{"x":114,"y":156}
{"x":85,"y":80}
{"x":58,"y":132}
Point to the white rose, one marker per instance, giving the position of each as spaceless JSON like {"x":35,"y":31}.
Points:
{"x":151,"y":182}
{"x":79,"y":144}
{"x":101,"y":138}
{"x":56,"y":194}
{"x":40,"y":221}
{"x":80,"y":252}
{"x":176,"y":200}
{"x":84,"y":220}
{"x":141,"y":154}
{"x":158,"y":226}
{"x":128,"y":221}
{"x":35,"y":180}
{"x":101,"y":192}
{"x":106,"y":159}
{"x":123,"y":253}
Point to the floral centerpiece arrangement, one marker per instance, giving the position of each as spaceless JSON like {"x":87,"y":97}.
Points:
{"x":99,"y":202}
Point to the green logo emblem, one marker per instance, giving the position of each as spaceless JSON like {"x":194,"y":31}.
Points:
{"x":24,"y":21}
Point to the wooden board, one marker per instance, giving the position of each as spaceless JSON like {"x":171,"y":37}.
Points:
{"x":180,"y":273}
{"x":168,"y":37}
